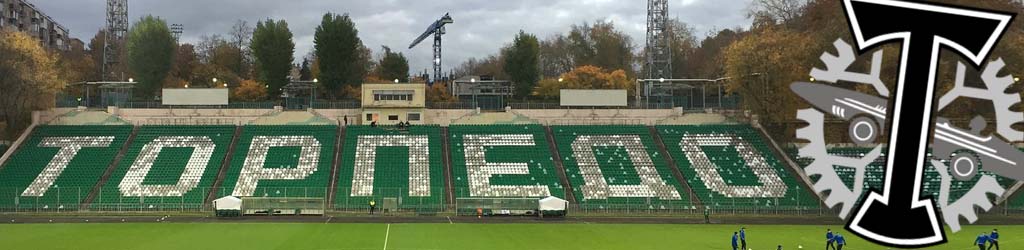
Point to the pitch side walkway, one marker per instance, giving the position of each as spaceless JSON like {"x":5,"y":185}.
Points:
{"x":729,"y":219}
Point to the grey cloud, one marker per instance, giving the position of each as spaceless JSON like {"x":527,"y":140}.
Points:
{"x":481,"y":27}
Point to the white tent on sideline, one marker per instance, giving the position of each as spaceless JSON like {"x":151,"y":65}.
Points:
{"x":552,"y":206}
{"x":228,"y":206}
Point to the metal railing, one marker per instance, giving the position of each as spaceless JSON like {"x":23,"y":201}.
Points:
{"x":556,"y":105}
{"x":232,"y":105}
{"x":399,"y":200}
{"x":452,"y":105}
{"x":350,"y":104}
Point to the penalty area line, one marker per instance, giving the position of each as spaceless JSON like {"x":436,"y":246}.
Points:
{"x":386,"y":234}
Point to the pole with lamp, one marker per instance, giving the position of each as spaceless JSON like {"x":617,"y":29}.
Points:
{"x":473,"y":83}
{"x":312,"y":92}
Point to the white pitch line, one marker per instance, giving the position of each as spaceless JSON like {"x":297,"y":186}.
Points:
{"x":388,"y":233}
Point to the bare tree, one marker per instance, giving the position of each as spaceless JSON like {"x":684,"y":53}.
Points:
{"x":778,"y":10}
{"x":241,"y":34}
{"x":555,"y":58}
{"x":241,"y":37}
{"x":206,"y":48}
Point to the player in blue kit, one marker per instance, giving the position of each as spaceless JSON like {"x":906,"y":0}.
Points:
{"x":981,"y":240}
{"x":993,"y":239}
{"x":735,"y":241}
{"x":840,"y":241}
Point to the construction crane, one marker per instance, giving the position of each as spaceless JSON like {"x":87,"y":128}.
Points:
{"x":436,"y":29}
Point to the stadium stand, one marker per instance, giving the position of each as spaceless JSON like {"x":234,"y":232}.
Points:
{"x":57,"y":166}
{"x":395,"y":167}
{"x":874,"y":175}
{"x":732,"y":167}
{"x":617,"y":167}
{"x":281,"y":161}
{"x":166,"y":167}
{"x":1016,"y":202}
{"x":502,"y":161}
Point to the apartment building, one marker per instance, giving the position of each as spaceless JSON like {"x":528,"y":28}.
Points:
{"x":24,"y":16}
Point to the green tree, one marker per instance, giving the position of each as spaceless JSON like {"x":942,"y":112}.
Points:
{"x":340,"y":53}
{"x":150,"y":54}
{"x":393,"y":66}
{"x":522,"y":63}
{"x":274,"y":50}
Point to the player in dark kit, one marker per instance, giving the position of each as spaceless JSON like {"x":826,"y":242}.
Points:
{"x":743,"y":238}
{"x":830,"y":240}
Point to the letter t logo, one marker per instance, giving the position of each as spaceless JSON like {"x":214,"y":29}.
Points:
{"x":898,"y":216}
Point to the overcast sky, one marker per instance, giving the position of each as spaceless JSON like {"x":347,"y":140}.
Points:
{"x":481,"y":26}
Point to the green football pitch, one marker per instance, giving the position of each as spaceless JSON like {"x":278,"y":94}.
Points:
{"x":252,"y":236}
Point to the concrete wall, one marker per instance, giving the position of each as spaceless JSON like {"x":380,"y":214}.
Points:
{"x":341,"y":115}
{"x":46,"y":116}
{"x":598,"y":116}
{"x":383,"y":116}
{"x":190,"y":116}
{"x":443,"y":117}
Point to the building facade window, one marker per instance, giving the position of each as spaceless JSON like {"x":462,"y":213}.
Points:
{"x":392,"y":117}
{"x":392,"y":95}
{"x":414,"y":116}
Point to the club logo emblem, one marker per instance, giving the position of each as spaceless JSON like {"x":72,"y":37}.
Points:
{"x":905,"y":116}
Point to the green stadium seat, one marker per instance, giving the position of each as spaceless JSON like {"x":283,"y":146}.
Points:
{"x":70,"y":159}
{"x":385,"y":163}
{"x":169,"y":167}
{"x":874,"y":175}
{"x":502,"y":161}
{"x":291,"y":161}
{"x":617,"y":167}
{"x":732,"y":167}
